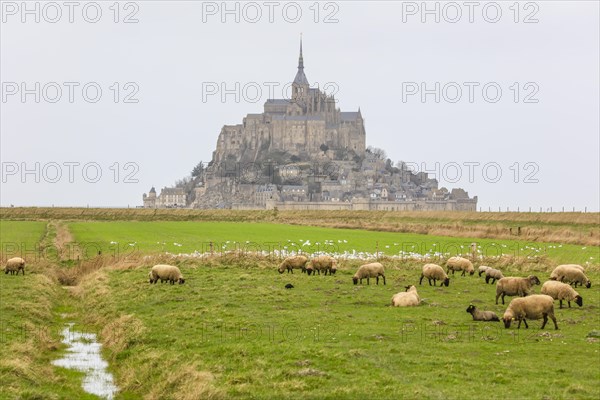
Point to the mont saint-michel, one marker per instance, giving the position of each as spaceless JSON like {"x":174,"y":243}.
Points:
{"x":304,"y":153}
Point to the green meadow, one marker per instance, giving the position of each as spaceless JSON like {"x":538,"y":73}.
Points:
{"x":123,"y":238}
{"x":234,"y":331}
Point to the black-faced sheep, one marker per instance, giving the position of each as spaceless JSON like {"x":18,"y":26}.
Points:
{"x":561,"y":291}
{"x":372,"y":270}
{"x":493,"y":275}
{"x":479,"y":315}
{"x":460,"y":264}
{"x":515,"y":286}
{"x":15,"y":264}
{"x":406,"y":299}
{"x":166,"y":272}
{"x":571,"y":273}
{"x":436,"y":273}
{"x":322,"y":263}
{"x":293,"y":262}
{"x":536,"y":306}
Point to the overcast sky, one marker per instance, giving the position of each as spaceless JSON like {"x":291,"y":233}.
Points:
{"x":516,"y":121}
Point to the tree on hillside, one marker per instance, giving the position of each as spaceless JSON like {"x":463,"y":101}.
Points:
{"x":198,"y":170}
{"x":324,"y":148}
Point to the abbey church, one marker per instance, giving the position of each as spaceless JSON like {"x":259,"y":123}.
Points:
{"x":298,"y":126}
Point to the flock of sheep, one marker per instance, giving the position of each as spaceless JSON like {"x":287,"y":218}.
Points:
{"x":560,"y":285}
{"x":527,"y":306}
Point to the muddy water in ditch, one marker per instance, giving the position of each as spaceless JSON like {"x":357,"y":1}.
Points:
{"x":83,"y":354}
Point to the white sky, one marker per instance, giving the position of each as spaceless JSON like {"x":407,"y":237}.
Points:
{"x":370,"y":54}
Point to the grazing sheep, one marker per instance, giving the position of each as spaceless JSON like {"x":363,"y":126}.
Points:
{"x":293,"y":262}
{"x":435,"y":272}
{"x":561,"y":291}
{"x":322,"y":263}
{"x":166,"y":272}
{"x":372,"y":270}
{"x":15,"y":264}
{"x":482,"y":269}
{"x":289,"y":286}
{"x":406,"y":299}
{"x":570,"y":273}
{"x":479,"y":315}
{"x":535,"y":306}
{"x":460,"y":264}
{"x":515,"y":286}
{"x":493,"y":274}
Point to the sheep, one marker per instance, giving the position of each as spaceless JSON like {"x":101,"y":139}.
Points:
{"x":322,"y":263}
{"x":479,"y":315}
{"x":570,"y":273}
{"x":561,"y":291}
{"x":435,"y":272}
{"x":460,"y":264}
{"x":406,"y":299}
{"x":515,"y":286}
{"x":493,"y":274}
{"x":292,"y":262}
{"x":482,"y":269}
{"x":15,"y":264}
{"x":372,"y":270}
{"x":166,"y":272}
{"x":535,"y":306}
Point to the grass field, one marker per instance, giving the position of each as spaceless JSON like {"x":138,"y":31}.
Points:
{"x":233,"y":330}
{"x":188,"y":237}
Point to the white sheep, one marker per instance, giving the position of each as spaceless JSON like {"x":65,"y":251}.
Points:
{"x":561,"y":291}
{"x":166,"y":272}
{"x":15,"y":264}
{"x":515,"y":286}
{"x":460,"y":264}
{"x":322,"y":263}
{"x":536,"y":306}
{"x":435,"y":272}
{"x":372,"y":270}
{"x":297,"y":262}
{"x":571,"y":273}
{"x":493,"y":275}
{"x":479,"y":315}
{"x":482,"y":269}
{"x":406,"y":299}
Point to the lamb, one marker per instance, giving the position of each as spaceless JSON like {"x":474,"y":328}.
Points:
{"x":15,"y":264}
{"x":570,"y":273}
{"x":406,"y":299}
{"x":535,"y":306}
{"x":493,"y":274}
{"x":561,"y":291}
{"x":482,"y":269}
{"x":297,"y":262}
{"x":372,"y":270}
{"x":322,"y":263}
{"x":435,"y":272}
{"x":166,"y":272}
{"x":515,"y":286}
{"x":460,"y":264}
{"x":479,"y":315}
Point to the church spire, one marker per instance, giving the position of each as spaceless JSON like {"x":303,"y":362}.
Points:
{"x":300,"y":78}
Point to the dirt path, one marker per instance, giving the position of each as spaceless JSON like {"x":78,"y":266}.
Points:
{"x":64,"y":242}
